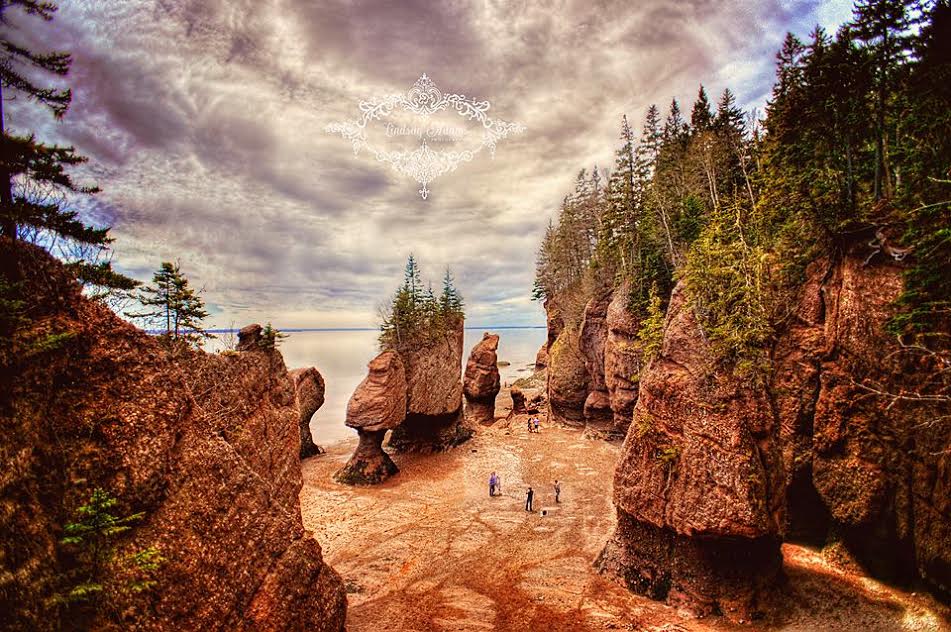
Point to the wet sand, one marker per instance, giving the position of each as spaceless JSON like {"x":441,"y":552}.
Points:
{"x":430,"y":550}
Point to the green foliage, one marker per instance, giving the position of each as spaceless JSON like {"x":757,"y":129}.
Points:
{"x":416,"y":315}
{"x":271,"y":337}
{"x":99,"y":573}
{"x":173,"y":305}
{"x":35,"y":180}
{"x":667,"y":454}
{"x":651,"y":332}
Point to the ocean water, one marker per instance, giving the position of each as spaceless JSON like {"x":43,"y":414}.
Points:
{"x":341,"y":356}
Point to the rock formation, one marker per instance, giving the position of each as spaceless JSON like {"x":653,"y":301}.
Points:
{"x":377,"y":405}
{"x":482,"y":382}
{"x":249,"y":338}
{"x":528,"y":398}
{"x":309,"y":384}
{"x":698,"y":487}
{"x":541,"y":358}
{"x":622,"y":360}
{"x":567,"y":379}
{"x":205,"y":446}
{"x":599,"y":419}
{"x":872,"y":472}
{"x":434,"y":419}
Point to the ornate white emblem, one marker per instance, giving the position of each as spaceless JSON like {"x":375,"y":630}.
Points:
{"x":424,"y":164}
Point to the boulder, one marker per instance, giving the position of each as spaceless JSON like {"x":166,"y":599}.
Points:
{"x":378,"y":404}
{"x":309,"y":385}
{"x":567,"y":379}
{"x":527,"y":400}
{"x":698,"y":487}
{"x":622,"y":359}
{"x":482,"y":382}
{"x":434,"y":419}
{"x":204,"y":446}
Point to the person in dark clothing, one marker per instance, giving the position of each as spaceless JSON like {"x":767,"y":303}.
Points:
{"x":493,"y":483}
{"x":557,"y":492}
{"x":528,"y":499}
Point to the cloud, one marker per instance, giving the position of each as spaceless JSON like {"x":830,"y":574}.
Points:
{"x":205,"y":123}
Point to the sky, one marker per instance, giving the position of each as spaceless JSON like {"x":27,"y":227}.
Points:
{"x":205,"y":125}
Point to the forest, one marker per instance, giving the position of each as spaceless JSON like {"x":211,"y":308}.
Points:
{"x":854,"y":148}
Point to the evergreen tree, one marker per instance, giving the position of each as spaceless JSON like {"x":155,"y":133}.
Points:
{"x":34,"y":176}
{"x":701,"y":118}
{"x":172,"y":302}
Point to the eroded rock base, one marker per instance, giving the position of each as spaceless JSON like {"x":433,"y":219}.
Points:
{"x":369,"y":464}
{"x":480,"y":411}
{"x":307,"y":446}
{"x":430,"y":433}
{"x":707,"y":576}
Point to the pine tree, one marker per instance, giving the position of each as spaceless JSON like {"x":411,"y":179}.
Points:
{"x":173,"y":302}
{"x":34,"y":176}
{"x":701,"y":118}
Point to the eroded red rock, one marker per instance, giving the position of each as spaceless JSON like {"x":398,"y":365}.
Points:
{"x":482,"y":383}
{"x":622,"y":359}
{"x":309,"y":384}
{"x":378,"y":404}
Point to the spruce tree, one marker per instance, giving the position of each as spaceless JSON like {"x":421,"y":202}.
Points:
{"x":701,"y":118}
{"x":34,"y":176}
{"x":172,"y":302}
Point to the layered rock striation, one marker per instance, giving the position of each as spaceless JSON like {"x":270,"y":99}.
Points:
{"x":377,"y":405}
{"x":482,"y":383}
{"x":204,"y":446}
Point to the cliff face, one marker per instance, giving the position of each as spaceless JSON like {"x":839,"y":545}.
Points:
{"x":594,"y":368}
{"x":206,"y":446}
{"x":698,"y":487}
{"x":715,"y":471}
{"x":862,"y":468}
{"x":622,"y":360}
{"x":434,"y":395}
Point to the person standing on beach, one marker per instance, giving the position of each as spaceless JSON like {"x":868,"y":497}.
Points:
{"x":528,"y":499}
{"x":557,"y":491}
{"x":493,"y":483}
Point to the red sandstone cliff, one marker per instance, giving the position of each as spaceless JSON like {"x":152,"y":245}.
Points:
{"x":206,"y":446}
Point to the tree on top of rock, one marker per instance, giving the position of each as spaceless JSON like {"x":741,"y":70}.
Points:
{"x":415,"y":315}
{"x":171,"y":303}
{"x":34,"y":180}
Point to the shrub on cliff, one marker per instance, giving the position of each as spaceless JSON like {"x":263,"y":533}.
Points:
{"x":416,"y":315}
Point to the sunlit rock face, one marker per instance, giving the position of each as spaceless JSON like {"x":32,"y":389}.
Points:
{"x":434,"y":419}
{"x":698,"y":487}
{"x":309,"y":384}
{"x":205,"y":446}
{"x":482,"y":383}
{"x":378,"y":404}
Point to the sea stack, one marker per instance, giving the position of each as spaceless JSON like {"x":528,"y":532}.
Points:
{"x":309,"y":384}
{"x":434,"y":418}
{"x":698,"y":487}
{"x":377,"y":405}
{"x":482,"y":382}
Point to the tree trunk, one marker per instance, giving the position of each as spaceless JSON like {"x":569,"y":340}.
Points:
{"x":8,"y":225}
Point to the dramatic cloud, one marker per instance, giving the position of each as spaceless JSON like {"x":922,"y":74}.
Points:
{"x":204,"y":121}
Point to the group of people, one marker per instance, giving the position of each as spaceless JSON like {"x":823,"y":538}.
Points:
{"x":533,"y":424}
{"x":495,"y":489}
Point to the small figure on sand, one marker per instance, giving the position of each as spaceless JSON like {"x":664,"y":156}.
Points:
{"x":537,"y":424}
{"x":495,"y":484}
{"x":528,"y":499}
{"x":557,"y":491}
{"x":531,"y":424}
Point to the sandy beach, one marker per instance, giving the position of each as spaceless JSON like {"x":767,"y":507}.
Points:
{"x":430,"y":550}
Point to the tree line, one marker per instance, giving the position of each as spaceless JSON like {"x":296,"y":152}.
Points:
{"x":855,"y":145}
